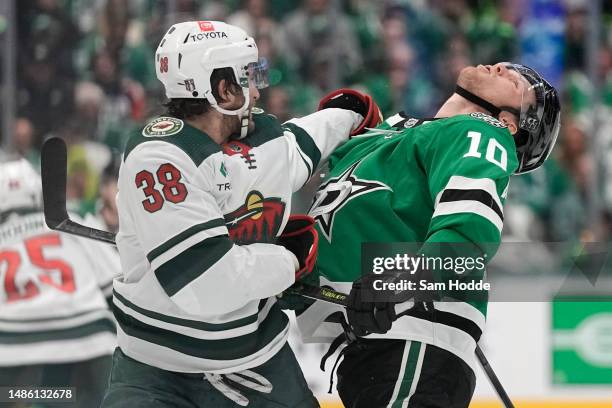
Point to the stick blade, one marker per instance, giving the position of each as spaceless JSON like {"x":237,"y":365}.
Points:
{"x":53,"y":169}
{"x":75,"y":228}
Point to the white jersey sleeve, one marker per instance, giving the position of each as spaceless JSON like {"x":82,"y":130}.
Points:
{"x":312,"y":138}
{"x":106,"y":266}
{"x":172,"y":227}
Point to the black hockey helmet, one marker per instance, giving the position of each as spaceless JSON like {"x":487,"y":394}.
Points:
{"x":539,"y":118}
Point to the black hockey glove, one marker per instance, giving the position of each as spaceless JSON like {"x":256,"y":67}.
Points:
{"x":357,"y":102}
{"x":301,"y":238}
{"x":366,"y":312}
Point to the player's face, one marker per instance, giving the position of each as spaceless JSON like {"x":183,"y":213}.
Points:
{"x":497,"y":84}
{"x":235,"y":101}
{"x":254,"y":95}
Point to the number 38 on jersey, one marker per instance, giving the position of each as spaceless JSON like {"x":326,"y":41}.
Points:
{"x":164,"y":185}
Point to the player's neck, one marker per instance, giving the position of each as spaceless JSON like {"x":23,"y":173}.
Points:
{"x":213,"y":125}
{"x":458,"y":105}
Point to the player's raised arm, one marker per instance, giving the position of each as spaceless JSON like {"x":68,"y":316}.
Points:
{"x":311,"y":139}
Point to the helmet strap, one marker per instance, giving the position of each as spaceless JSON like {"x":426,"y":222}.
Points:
{"x":242,"y":113}
{"x":244,"y":124}
{"x":475,"y":99}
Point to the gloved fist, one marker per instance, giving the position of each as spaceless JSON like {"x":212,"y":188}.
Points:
{"x":301,"y":238}
{"x":366,"y":314}
{"x":357,"y":102}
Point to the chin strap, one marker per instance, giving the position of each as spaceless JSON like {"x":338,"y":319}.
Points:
{"x":244,"y":123}
{"x":242,"y":113}
{"x":495,"y":111}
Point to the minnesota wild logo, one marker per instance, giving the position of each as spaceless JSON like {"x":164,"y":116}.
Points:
{"x":163,"y":126}
{"x":257,"y":220}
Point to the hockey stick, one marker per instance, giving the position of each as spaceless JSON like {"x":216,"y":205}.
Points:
{"x":54,"y":177}
{"x":338,"y":298}
{"x":53,"y":168}
{"x":497,"y":385}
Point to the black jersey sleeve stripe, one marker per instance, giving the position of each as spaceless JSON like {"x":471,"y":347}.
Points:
{"x":160,"y":249}
{"x":450,"y":195}
{"x":190,"y":264}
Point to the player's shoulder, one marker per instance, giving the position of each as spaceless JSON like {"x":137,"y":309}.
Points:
{"x":478,"y":120}
{"x":167,"y":135}
{"x":485,"y":125}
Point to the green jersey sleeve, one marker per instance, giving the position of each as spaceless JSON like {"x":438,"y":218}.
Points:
{"x":468,"y":163}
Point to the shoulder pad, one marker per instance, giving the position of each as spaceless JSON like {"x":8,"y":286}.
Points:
{"x":488,"y":119}
{"x":173,"y":131}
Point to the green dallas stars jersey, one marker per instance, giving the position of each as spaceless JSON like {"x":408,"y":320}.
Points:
{"x":434,"y":182}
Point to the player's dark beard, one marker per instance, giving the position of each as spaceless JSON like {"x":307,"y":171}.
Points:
{"x":231,"y":125}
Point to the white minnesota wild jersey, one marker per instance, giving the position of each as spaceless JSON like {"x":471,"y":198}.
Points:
{"x":197,"y":220}
{"x":52,"y":302}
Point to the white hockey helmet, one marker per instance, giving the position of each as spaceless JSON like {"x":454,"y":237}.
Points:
{"x":190,"y":51}
{"x":20,"y":186}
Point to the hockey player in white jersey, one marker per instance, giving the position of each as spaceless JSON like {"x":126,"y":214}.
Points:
{"x":204,"y":192}
{"x":55,"y":325}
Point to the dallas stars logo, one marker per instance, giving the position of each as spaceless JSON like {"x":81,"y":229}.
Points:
{"x":335,"y":193}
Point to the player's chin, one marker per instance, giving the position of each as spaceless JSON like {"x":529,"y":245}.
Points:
{"x":466,"y":74}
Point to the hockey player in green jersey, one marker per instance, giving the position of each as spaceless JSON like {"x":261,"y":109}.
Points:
{"x":205,"y":236}
{"x":432,"y":181}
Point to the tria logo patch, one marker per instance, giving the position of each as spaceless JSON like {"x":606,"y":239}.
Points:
{"x":206,"y":26}
{"x":234,"y":147}
{"x":163,"y":126}
{"x":258,"y":220}
{"x":336,"y":193}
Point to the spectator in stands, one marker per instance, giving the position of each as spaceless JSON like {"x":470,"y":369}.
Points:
{"x":124,"y":100}
{"x":277,"y":103}
{"x":310,"y":31}
{"x":43,"y":95}
{"x":253,"y":18}
{"x":23,"y":141}
{"x":108,"y":192}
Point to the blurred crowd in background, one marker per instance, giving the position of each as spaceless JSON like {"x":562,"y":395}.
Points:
{"x":86,"y":73}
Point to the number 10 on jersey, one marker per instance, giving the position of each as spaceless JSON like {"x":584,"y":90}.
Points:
{"x":494,"y":149}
